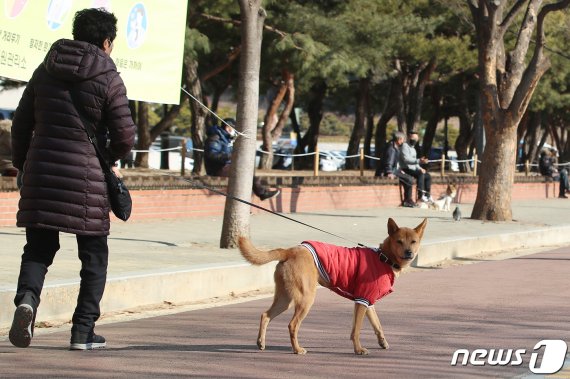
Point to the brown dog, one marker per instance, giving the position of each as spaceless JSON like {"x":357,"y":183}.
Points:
{"x":362,"y":274}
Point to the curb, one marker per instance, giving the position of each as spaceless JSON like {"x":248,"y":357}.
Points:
{"x":122,"y":293}
{"x":437,"y":251}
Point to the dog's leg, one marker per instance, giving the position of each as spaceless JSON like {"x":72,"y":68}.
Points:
{"x":359,"y":312}
{"x":281,"y":302}
{"x":375,"y":322}
{"x":302,"y":307}
{"x":279,"y":306}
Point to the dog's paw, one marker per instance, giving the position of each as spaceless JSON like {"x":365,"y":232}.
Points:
{"x":361,"y":351}
{"x":300,"y":351}
{"x":260,"y":345}
{"x":383,"y":343}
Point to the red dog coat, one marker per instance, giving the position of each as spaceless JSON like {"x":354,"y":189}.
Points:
{"x":353,"y":272}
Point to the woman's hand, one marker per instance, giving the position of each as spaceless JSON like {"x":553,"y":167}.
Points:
{"x":117,"y":172}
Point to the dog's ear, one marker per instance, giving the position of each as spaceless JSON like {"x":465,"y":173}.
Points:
{"x":392,"y":227}
{"x":420,"y":228}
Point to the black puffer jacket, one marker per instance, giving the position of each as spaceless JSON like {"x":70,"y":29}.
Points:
{"x":389,"y":163}
{"x":63,"y":185}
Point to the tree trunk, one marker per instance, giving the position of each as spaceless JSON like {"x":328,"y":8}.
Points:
{"x":295,"y":124}
{"x":273,"y":123}
{"x":496,"y":176}
{"x":369,"y":132}
{"x":278,"y":130}
{"x":530,"y":137}
{"x":556,"y":127}
{"x":359,"y":124}
{"x":198,"y":113}
{"x":431,"y":126}
{"x":418,"y":81}
{"x":390,"y":109}
{"x":311,"y":138}
{"x":236,"y":214}
{"x":464,"y":140}
{"x":143,"y":135}
{"x":466,"y":126}
{"x":506,"y":89}
{"x":410,"y":94}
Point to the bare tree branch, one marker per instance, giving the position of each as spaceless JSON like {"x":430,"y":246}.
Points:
{"x":543,"y":12}
{"x":474,"y":8}
{"x":516,"y":62}
{"x":166,"y":121}
{"x":232,"y":56}
{"x":511,"y":15}
{"x":538,"y":65}
{"x":269,"y":28}
{"x":220,"y":19}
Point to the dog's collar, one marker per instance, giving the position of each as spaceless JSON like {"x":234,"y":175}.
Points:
{"x":384,"y":258}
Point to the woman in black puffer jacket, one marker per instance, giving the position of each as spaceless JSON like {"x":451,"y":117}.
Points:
{"x":63,"y":187}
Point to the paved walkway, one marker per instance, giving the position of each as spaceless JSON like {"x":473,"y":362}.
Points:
{"x":179,"y":261}
{"x":504,"y":304}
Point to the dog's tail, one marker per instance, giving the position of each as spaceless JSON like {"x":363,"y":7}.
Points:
{"x":259,"y":257}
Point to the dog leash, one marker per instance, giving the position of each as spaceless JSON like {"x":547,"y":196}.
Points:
{"x":202,"y":186}
{"x":383,"y":257}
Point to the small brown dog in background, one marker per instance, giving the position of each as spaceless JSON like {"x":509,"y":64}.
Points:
{"x":361,"y":274}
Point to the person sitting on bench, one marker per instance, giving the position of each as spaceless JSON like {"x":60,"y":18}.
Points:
{"x":410,"y":164}
{"x":388,"y":167}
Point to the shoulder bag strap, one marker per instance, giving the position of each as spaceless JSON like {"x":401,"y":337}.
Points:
{"x":89,"y":128}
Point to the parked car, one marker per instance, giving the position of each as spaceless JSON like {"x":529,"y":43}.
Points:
{"x":333,"y":160}
{"x":285,"y":148}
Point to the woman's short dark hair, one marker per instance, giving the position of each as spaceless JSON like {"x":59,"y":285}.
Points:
{"x":94,"y":25}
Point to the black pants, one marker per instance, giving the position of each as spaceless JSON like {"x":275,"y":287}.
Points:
{"x":563,"y":176}
{"x":39,"y":251}
{"x":424,"y":181}
{"x":407,"y":182}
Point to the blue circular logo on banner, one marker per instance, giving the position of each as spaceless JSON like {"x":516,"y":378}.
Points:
{"x":56,"y":13}
{"x":137,"y":26}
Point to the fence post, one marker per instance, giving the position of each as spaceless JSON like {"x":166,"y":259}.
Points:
{"x":183,"y":157}
{"x":164,"y":153}
{"x":442,"y":165}
{"x":316,"y":165}
{"x":361,"y":162}
{"x":474,"y":164}
{"x":526,"y":167}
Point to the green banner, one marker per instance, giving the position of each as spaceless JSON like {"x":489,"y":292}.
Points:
{"x":148,"y":50}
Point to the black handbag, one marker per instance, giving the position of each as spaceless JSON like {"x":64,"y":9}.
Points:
{"x":119,"y":195}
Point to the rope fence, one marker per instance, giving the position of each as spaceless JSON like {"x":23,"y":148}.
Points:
{"x":317,"y":154}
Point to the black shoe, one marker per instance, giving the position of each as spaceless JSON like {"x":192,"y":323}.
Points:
{"x":86,"y":341}
{"x":269,"y":195}
{"x":563,"y":197}
{"x":409,"y":204}
{"x":22,"y":329}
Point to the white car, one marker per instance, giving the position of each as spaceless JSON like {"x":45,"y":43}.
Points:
{"x":332,"y":160}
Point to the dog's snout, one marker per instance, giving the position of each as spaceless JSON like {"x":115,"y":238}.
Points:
{"x":408,"y":254}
